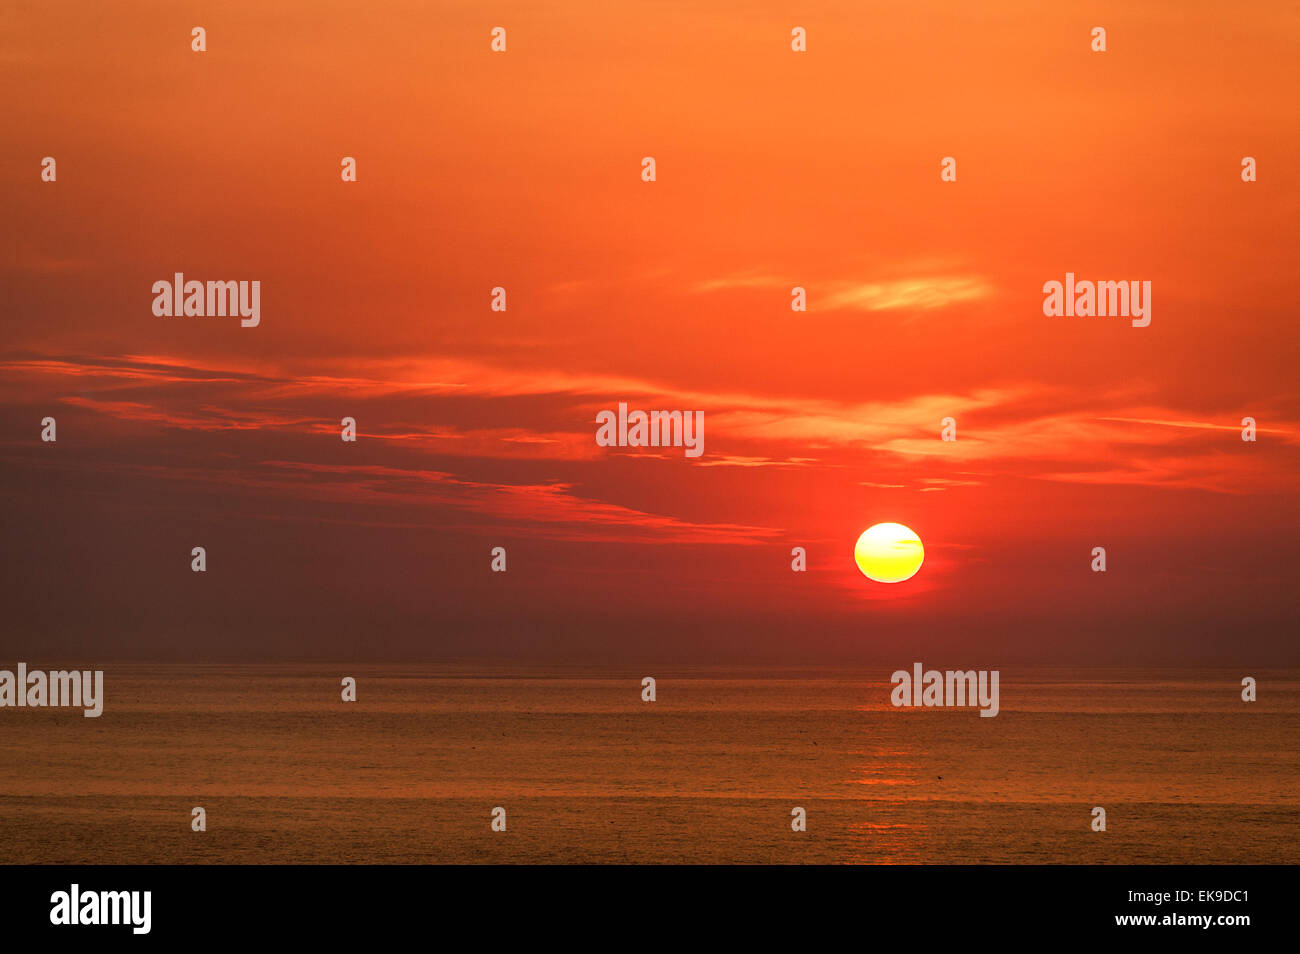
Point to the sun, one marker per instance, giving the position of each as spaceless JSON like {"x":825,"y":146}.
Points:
{"x":889,"y":553}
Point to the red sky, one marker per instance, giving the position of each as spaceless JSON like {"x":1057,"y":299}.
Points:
{"x":775,"y":169}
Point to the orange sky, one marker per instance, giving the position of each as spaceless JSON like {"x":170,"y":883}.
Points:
{"x":775,"y":169}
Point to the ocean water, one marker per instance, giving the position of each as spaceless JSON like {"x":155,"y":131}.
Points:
{"x":708,"y":773}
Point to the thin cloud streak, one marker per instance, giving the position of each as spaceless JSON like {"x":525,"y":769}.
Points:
{"x":918,"y":293}
{"x":1005,"y":429}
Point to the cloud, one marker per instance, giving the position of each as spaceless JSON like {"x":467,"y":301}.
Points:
{"x":915,"y":293}
{"x":447,"y":408}
{"x":920,"y":293}
{"x":1201,"y":425}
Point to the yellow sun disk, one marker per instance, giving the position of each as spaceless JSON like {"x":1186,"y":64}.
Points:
{"x":889,"y":553}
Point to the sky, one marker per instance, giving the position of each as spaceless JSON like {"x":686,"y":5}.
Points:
{"x":774,"y":169}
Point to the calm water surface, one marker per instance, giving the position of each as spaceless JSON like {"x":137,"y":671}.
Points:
{"x":708,"y":773}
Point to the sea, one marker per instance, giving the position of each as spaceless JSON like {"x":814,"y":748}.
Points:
{"x":712,"y":771}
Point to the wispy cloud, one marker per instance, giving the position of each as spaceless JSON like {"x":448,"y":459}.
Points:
{"x":919,"y":293}
{"x":461,"y":408}
{"x":915,"y":293}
